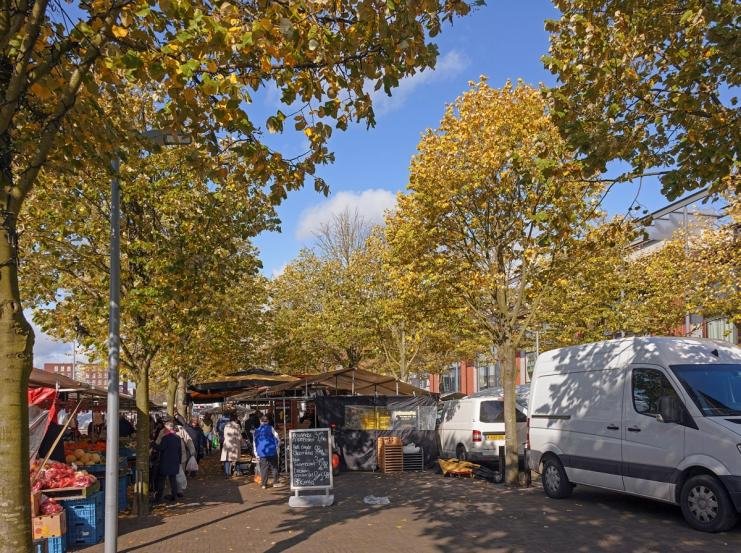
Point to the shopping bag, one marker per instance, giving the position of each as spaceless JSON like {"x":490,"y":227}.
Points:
{"x":182,"y":481}
{"x":192,"y":465}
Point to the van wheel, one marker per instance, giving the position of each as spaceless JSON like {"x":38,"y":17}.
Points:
{"x":555,"y":482}
{"x":460,"y":453}
{"x":706,"y":505}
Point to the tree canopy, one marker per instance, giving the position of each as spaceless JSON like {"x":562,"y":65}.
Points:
{"x":495,"y":202}
{"x":652,"y":84}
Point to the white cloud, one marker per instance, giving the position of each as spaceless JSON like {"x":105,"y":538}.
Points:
{"x":279,"y":270}
{"x":448,"y":66}
{"x":370,"y":204}
{"x":48,"y":350}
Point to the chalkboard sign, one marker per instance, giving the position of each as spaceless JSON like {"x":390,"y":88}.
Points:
{"x":311,"y":459}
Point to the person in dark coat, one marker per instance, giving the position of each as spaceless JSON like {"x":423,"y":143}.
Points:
{"x":196,"y":434}
{"x":169,"y":462}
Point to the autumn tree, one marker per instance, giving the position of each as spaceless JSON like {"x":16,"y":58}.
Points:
{"x":495,"y":202}
{"x":651,"y":84}
{"x":416,"y":330}
{"x":617,"y":289}
{"x":210,"y":60}
{"x":184,"y":242}
{"x":587,"y":303}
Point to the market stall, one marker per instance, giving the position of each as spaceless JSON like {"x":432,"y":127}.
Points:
{"x":360,"y":406}
{"x":67,"y":468}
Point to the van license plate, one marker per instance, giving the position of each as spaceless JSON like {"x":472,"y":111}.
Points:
{"x":493,"y":437}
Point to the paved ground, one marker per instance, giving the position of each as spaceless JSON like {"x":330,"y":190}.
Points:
{"x":427,"y":513}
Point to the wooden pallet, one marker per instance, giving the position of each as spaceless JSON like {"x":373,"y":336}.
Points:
{"x":392,"y":458}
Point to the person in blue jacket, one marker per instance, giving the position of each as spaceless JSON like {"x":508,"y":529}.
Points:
{"x":266,"y":445}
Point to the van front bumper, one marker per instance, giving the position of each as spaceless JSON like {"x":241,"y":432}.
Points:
{"x":733,"y":485}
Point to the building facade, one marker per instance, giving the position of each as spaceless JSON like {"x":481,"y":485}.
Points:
{"x":89,"y":373}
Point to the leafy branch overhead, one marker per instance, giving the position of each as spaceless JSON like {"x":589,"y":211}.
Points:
{"x":652,"y":84}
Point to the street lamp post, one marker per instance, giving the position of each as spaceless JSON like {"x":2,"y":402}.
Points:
{"x":160,"y":138}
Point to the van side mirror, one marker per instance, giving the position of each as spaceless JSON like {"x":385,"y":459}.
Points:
{"x":670,"y":410}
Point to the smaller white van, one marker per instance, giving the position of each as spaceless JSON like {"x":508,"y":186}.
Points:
{"x":653,"y":417}
{"x":472,"y":428}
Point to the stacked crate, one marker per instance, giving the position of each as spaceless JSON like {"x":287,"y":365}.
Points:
{"x":414,"y":461}
{"x":389,"y":453}
{"x":85,"y":519}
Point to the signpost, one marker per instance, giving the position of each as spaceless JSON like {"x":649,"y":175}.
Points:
{"x":310,"y":455}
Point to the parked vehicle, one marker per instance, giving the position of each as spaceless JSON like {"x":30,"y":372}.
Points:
{"x":653,"y":417}
{"x":472,"y":428}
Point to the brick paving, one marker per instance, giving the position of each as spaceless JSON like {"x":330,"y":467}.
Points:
{"x":427,"y":513}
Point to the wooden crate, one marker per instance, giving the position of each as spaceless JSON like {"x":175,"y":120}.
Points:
{"x":392,"y":458}
{"x":381,"y":442}
{"x":72,"y":493}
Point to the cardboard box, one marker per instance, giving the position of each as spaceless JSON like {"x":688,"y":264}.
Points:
{"x":35,"y":503}
{"x":49,"y":526}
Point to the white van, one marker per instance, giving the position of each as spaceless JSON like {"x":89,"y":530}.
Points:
{"x":654,"y":417}
{"x":472,"y":428}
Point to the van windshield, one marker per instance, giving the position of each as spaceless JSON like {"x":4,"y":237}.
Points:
{"x":715,"y":389}
{"x":493,"y":411}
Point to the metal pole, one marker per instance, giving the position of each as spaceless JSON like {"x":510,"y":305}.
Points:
{"x":687,"y":319}
{"x":111,"y":458}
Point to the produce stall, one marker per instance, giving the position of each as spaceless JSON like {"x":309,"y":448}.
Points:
{"x":67,"y":502}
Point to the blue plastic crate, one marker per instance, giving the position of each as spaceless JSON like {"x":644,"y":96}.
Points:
{"x":85,"y":519}
{"x":123,"y":500}
{"x":53,"y":545}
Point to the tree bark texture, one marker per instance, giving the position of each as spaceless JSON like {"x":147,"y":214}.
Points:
{"x":182,"y":406}
{"x":506,"y":358}
{"x":172,"y":390}
{"x":16,"y":349}
{"x":141,"y":489}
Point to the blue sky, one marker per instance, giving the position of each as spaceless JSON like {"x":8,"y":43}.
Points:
{"x":503,"y":40}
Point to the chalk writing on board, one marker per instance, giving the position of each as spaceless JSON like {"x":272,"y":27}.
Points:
{"x":310,"y":459}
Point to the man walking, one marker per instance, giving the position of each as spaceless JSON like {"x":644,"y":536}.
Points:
{"x":266,"y":445}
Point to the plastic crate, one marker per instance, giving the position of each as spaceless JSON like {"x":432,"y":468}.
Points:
{"x":53,"y":545}
{"x":123,"y":500}
{"x":85,"y":519}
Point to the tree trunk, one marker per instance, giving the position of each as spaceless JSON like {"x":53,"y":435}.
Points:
{"x":172,"y":390}
{"x":403,"y":370}
{"x":141,"y":489}
{"x":16,"y":359}
{"x":506,"y":358}
{"x":182,"y":405}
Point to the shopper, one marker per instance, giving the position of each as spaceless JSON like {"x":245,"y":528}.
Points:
{"x":199,"y":439}
{"x":266,"y":446}
{"x":208,"y":429}
{"x":231,"y":445}
{"x":170,"y":456}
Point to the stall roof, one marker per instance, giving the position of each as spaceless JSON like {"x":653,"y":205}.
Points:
{"x":46,"y":379}
{"x":352,"y":381}
{"x":235,"y":383}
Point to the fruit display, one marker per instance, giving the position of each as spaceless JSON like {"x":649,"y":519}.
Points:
{"x":50,"y":507}
{"x":58,"y":475}
{"x":80,"y":457}
{"x":70,"y":447}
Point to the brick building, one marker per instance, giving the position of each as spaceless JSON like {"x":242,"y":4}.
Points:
{"x":89,"y":373}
